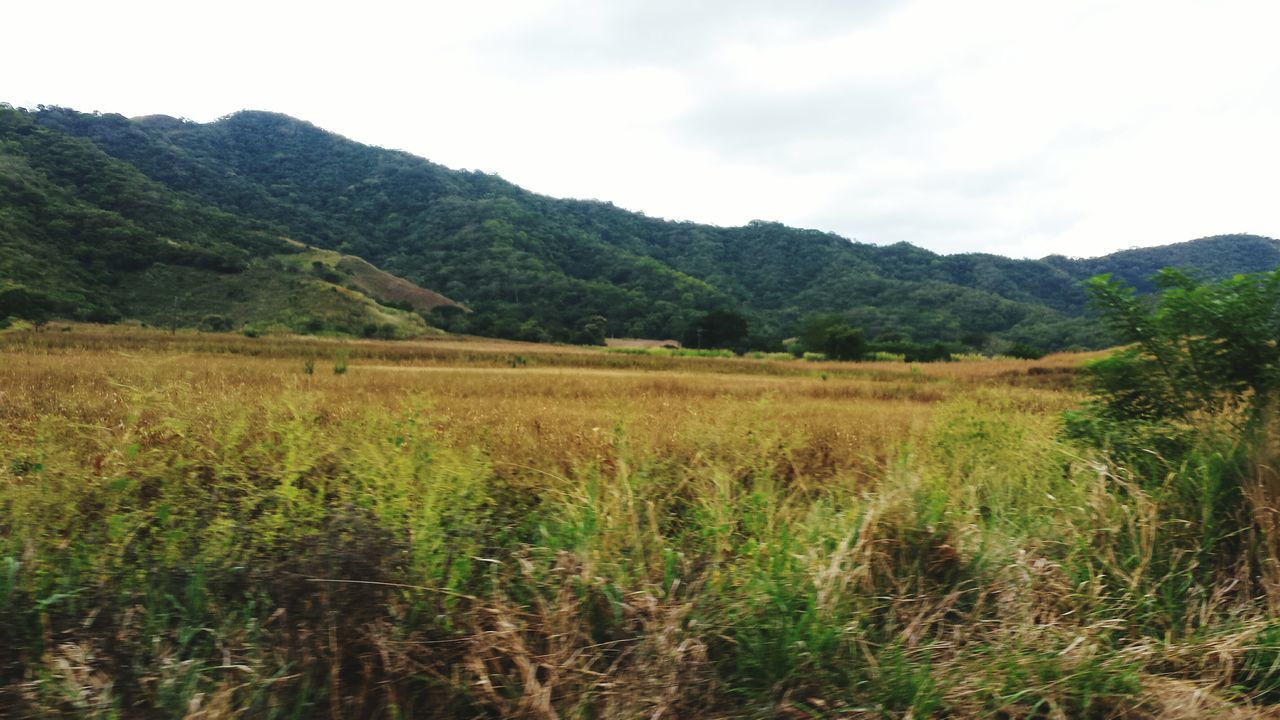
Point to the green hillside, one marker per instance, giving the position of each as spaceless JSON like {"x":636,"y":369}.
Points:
{"x":1220,"y":256}
{"x":86,"y":236}
{"x":539,"y":268}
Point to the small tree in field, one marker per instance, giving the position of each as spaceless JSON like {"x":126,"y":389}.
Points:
{"x":1183,"y":407}
{"x":830,"y":335}
{"x":1195,"y":347}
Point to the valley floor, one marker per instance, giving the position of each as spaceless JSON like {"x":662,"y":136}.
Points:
{"x":213,"y":526}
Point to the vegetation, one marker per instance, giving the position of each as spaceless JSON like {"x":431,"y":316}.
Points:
{"x":86,"y":236}
{"x":200,"y":524}
{"x":197,"y":523}
{"x":832,"y":337}
{"x":537,"y":268}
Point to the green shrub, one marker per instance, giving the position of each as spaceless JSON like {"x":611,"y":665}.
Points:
{"x":1023,"y":351}
{"x":830,"y":335}
{"x":1195,"y":347}
{"x":215,"y":323}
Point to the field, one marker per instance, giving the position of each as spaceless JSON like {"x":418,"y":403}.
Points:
{"x":214,"y":526}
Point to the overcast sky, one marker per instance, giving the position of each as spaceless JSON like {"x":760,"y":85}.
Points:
{"x":1019,"y":127}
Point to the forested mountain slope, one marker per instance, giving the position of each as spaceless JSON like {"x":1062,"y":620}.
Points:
{"x":540,"y":268}
{"x":1220,"y":256}
{"x":84,"y":235}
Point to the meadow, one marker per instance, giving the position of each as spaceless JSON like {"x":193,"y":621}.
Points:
{"x":207,"y":525}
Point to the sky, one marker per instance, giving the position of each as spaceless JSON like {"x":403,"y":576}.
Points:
{"x":1019,"y":127}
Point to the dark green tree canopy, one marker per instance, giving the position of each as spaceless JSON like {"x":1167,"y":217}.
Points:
{"x":718,"y":329}
{"x":832,"y":336}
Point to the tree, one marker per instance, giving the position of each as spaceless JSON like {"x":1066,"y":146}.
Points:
{"x":720,"y":329}
{"x":830,"y":335}
{"x":1195,"y":347}
{"x":215,"y":323}
{"x":933,"y":352}
{"x":845,"y":343}
{"x":1183,"y":408}
{"x":591,"y":330}
{"x":450,"y":318}
{"x":1024,"y":351}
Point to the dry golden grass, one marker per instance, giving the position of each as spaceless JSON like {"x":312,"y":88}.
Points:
{"x":831,"y":419}
{"x":226,"y":526}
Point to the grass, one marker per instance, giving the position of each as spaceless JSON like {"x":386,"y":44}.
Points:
{"x":194,"y":525}
{"x":273,"y":295}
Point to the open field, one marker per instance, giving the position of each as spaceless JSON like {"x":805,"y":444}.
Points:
{"x":214,"y":526}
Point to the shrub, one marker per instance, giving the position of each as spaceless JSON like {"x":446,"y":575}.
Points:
{"x":215,"y":323}
{"x":1194,"y":348}
{"x":1023,"y":351}
{"x":833,"y":337}
{"x":937,"y":352}
{"x":1179,"y":410}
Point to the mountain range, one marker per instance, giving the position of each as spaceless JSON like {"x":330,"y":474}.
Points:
{"x":263,"y":221}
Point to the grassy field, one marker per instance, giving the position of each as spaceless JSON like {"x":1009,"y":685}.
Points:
{"x":215,"y":526}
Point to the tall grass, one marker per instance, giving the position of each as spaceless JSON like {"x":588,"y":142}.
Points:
{"x":219,"y":535}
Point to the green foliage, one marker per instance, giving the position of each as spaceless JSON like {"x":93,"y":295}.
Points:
{"x":199,"y":535}
{"x":933,"y":352}
{"x":908,"y":351}
{"x":831,"y":336}
{"x":1184,"y":412}
{"x":591,"y":331}
{"x":215,"y":323}
{"x":1023,"y":351}
{"x":1217,"y":257}
{"x":87,"y":236}
{"x":1260,"y":676}
{"x":718,"y":329}
{"x":537,"y":268}
{"x":179,"y":575}
{"x":1197,"y":348}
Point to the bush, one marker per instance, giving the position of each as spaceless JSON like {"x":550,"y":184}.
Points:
{"x":1181,"y":409}
{"x":1195,"y":348}
{"x":937,"y":352}
{"x":1023,"y":351}
{"x":215,"y":323}
{"x":831,"y":336}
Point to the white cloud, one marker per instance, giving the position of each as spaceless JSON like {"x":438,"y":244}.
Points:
{"x":994,"y":125}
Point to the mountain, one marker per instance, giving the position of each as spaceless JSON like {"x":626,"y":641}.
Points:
{"x":1213,"y":257}
{"x":85,"y":235}
{"x":540,"y":268}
